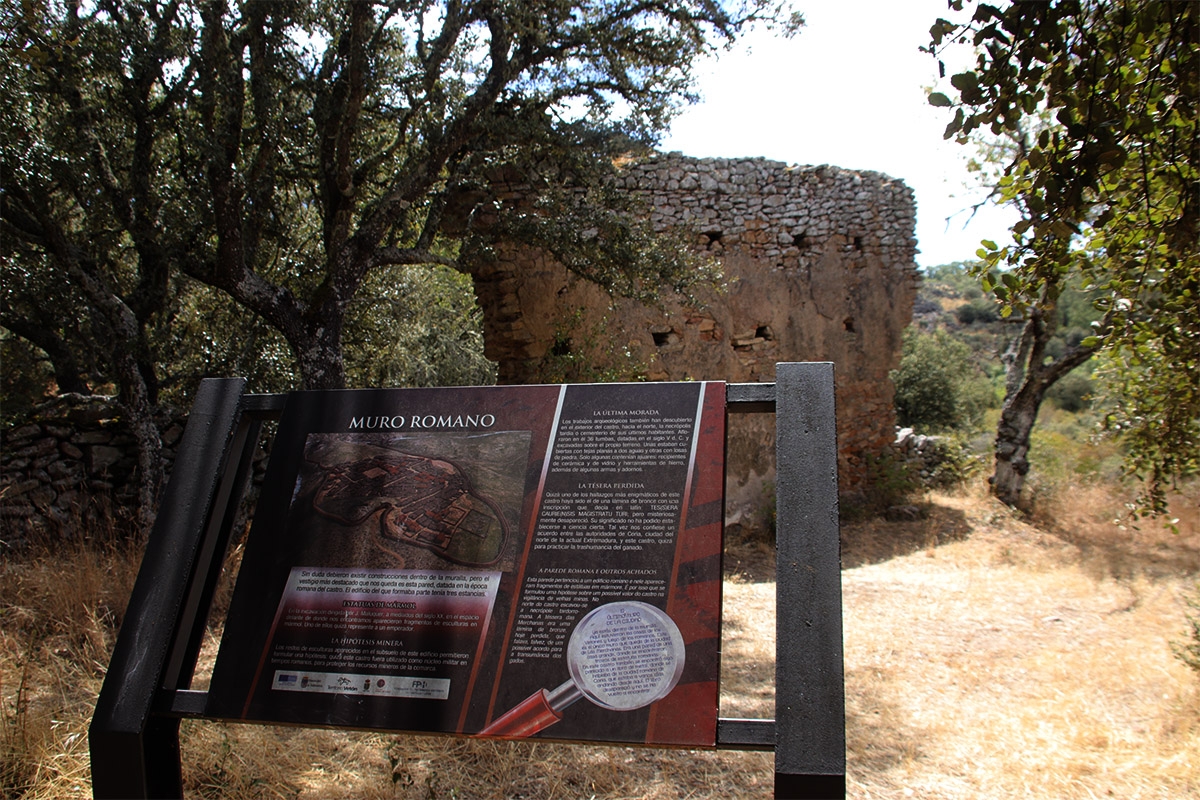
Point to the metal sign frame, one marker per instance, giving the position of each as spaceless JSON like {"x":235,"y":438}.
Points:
{"x":134,"y":735}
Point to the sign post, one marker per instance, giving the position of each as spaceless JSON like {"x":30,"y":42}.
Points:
{"x":422,"y":559}
{"x":810,"y":730}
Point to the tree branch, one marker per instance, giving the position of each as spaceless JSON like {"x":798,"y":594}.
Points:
{"x":400,"y":255}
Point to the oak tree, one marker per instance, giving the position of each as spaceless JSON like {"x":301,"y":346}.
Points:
{"x":290,"y":153}
{"x":1095,"y":104}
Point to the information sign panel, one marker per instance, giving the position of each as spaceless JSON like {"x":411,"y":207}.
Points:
{"x":499,"y":561}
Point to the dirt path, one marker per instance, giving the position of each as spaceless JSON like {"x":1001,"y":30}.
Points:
{"x":985,"y":658}
{"x":997,"y":661}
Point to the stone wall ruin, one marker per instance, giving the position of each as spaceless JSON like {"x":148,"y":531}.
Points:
{"x":819,"y":264}
{"x":69,"y":470}
{"x":819,"y":267}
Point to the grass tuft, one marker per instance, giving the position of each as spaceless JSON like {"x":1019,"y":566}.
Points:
{"x":59,"y":612}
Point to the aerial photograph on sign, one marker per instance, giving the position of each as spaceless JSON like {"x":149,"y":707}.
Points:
{"x":412,"y":501}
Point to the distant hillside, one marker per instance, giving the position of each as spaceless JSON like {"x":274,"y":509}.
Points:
{"x":950,"y":299}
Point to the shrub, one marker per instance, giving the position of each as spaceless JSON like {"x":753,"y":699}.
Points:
{"x":1072,"y":392}
{"x":890,"y":481}
{"x":938,"y":385}
{"x":979,"y":309}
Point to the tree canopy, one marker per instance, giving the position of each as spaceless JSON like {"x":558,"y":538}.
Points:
{"x":282,"y":152}
{"x":1095,"y":106}
{"x":291,"y":155}
{"x":939,"y":386}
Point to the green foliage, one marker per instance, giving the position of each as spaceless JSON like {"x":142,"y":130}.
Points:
{"x":956,"y":276}
{"x":951,"y":460}
{"x":1188,"y":651}
{"x":889,"y":481}
{"x":1087,"y":111}
{"x":1155,"y":408}
{"x":294,"y":157}
{"x":417,"y":326}
{"x":412,"y":326}
{"x":959,"y":281}
{"x":298,"y":158}
{"x":978,"y":310}
{"x":210,"y":335}
{"x":25,"y":377}
{"x":583,"y":353}
{"x":939,"y":387}
{"x":1073,"y":392}
{"x":1069,"y":449}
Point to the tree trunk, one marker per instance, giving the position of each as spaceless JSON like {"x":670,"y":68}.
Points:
{"x":318,"y":350}
{"x":139,"y":417}
{"x":1012,"y":443}
{"x":1028,"y":376}
{"x":40,"y":333}
{"x":114,"y":316}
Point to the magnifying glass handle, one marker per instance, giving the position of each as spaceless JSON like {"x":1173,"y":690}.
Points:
{"x":540,"y":710}
{"x":524,"y":719}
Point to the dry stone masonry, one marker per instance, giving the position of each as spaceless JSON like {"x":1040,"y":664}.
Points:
{"x":72,"y":461}
{"x":69,"y":470}
{"x":819,"y":267}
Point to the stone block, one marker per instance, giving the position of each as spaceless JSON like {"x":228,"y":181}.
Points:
{"x":93,"y":437}
{"x":23,"y":432}
{"x":103,"y":457}
{"x":20,"y":488}
{"x":62,"y":469}
{"x":42,"y":497}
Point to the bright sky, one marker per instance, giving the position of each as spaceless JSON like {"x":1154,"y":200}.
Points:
{"x":849,"y":90}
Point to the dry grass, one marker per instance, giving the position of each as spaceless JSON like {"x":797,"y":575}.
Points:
{"x":986,"y":656}
{"x":1017,"y":663}
{"x":58,"y":616}
{"x":244,"y":761}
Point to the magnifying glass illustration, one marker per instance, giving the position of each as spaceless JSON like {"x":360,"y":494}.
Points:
{"x":621,"y":656}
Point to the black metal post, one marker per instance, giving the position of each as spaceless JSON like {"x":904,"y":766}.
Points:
{"x":810,"y":716}
{"x":133,"y":753}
